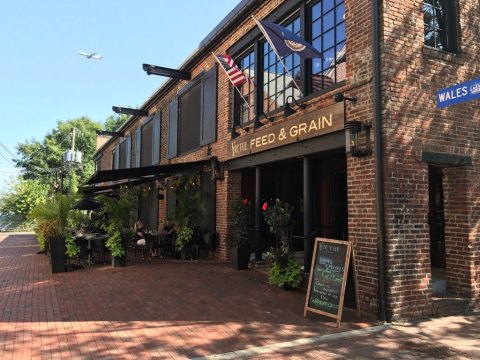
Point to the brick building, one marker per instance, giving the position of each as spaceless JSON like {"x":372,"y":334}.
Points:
{"x":405,"y":193}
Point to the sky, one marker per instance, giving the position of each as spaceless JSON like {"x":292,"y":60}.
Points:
{"x":44,"y":80}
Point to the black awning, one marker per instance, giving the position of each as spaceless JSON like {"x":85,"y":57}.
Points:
{"x":136,"y":176}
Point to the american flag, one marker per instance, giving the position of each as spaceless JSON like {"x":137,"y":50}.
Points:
{"x":236,"y":76}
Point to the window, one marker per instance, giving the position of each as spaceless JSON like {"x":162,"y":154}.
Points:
{"x":278,"y":84}
{"x":189,"y":106}
{"x":124,"y":154}
{"x":322,"y":23}
{"x":246,"y":106}
{"x":439,"y":18}
{"x":328,"y":36}
{"x":147,"y":142}
{"x":192,"y":117}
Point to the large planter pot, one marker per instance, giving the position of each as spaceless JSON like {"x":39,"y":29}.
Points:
{"x":119,"y":261}
{"x":240,"y":257}
{"x":186,"y":253}
{"x":57,"y":254}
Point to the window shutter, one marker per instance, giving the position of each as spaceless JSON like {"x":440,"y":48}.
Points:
{"x":116,"y":157}
{"x":209,"y":107}
{"x":138,"y":146}
{"x":172,"y":128}
{"x":128,"y":159}
{"x":156,"y":139}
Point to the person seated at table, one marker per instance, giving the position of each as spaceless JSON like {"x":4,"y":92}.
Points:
{"x":140,"y":233}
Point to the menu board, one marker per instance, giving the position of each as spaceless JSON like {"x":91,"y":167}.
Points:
{"x":328,"y":275}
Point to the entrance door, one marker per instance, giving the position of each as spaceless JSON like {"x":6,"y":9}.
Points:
{"x":436,"y":218}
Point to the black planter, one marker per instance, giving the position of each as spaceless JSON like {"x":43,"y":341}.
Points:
{"x":119,"y":261}
{"x":57,"y":254}
{"x":186,"y":253}
{"x":240,"y":257}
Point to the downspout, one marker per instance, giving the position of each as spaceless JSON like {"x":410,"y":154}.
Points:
{"x":382,"y":281}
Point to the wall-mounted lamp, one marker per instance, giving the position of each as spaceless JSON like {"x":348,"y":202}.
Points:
{"x":287,"y":109}
{"x":129,"y":111}
{"x":217,"y":168}
{"x":352,"y":129}
{"x":163,"y":71}
{"x":339,"y":97}
{"x":160,"y":196}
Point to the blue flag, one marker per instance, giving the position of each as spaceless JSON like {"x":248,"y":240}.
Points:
{"x":284,"y":42}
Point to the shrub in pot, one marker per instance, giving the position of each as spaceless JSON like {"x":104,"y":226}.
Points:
{"x":283,"y":270}
{"x":238,"y":237}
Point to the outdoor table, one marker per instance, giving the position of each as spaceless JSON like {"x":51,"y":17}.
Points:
{"x":92,"y":237}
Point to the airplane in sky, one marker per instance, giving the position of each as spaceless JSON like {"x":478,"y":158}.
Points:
{"x":95,"y":56}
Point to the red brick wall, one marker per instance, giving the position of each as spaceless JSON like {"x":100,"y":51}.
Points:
{"x":411,"y":74}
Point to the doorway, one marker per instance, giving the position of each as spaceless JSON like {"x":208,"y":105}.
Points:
{"x":436,"y":217}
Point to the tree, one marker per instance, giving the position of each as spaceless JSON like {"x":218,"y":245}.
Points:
{"x":113,"y":122}
{"x":44,"y":160}
{"x":23,"y":196}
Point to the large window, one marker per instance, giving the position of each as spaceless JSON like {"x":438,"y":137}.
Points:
{"x":192,"y":115}
{"x":278,"y":84}
{"x":328,"y":36}
{"x":439,"y":18}
{"x":147,"y":142}
{"x":322,"y":23}
{"x":246,"y":104}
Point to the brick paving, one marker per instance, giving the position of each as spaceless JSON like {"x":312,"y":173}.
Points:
{"x":172,"y":309}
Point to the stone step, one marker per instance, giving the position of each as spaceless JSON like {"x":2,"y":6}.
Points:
{"x":450,"y":305}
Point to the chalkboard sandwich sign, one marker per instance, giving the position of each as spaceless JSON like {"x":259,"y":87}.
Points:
{"x":328,"y":276}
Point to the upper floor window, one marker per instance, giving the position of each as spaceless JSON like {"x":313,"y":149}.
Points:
{"x":439,"y":18}
{"x":246,"y":106}
{"x":147,"y":142}
{"x":328,"y":36}
{"x":278,"y":84}
{"x":124,"y":154}
{"x":322,"y":23}
{"x":192,"y":115}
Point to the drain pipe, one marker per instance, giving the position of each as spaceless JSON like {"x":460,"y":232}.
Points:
{"x":382,"y":281}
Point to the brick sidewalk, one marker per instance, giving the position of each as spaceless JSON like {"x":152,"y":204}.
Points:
{"x":171,"y":309}
{"x":149,"y":309}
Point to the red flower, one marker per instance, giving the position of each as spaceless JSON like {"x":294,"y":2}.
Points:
{"x":265,"y":206}
{"x":244,"y":201}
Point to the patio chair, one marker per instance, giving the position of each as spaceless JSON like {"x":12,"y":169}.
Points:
{"x":99,"y":251}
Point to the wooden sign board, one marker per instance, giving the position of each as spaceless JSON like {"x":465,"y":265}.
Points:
{"x":328,"y":277}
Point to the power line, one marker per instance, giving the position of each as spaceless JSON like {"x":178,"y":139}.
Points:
{"x":6,"y":159}
{"x":7,"y":150}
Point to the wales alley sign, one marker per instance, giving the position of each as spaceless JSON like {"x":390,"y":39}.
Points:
{"x":459,"y":93}
{"x":306,"y":126}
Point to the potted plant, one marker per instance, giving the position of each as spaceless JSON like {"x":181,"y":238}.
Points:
{"x":188,"y":214}
{"x":116,"y":218}
{"x":51,"y":220}
{"x":283,"y":270}
{"x":238,"y":239}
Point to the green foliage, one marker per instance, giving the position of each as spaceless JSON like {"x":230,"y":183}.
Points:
{"x":240,"y":217}
{"x":285,"y":274}
{"x":51,"y":217}
{"x":42,"y":159}
{"x":114,"y":121}
{"x":72,"y":249}
{"x":114,"y":244}
{"x":184,"y":236}
{"x":21,"y":198}
{"x":116,"y":211}
{"x":117,"y":216}
{"x":188,"y":210}
{"x":279,"y":217}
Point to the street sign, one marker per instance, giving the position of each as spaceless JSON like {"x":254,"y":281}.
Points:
{"x":459,"y":93}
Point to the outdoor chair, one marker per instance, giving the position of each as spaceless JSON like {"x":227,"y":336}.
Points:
{"x":99,"y":251}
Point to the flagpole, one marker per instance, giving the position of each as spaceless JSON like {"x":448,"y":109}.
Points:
{"x":276,"y":53}
{"x":239,"y":93}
